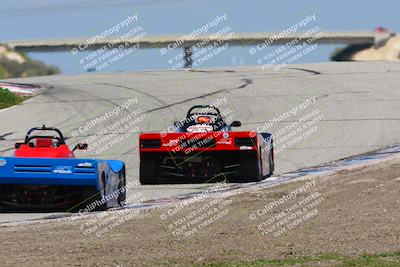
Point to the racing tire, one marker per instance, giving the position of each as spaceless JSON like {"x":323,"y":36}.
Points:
{"x":148,"y":171}
{"x":122,"y":188}
{"x":102,"y":207}
{"x":90,"y":195}
{"x":271,"y":164}
{"x":272,"y":160}
{"x":251,"y":169}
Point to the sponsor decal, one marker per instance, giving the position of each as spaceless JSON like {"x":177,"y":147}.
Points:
{"x":3,"y":162}
{"x":225,"y":135}
{"x":200,"y":128}
{"x":171,"y":143}
{"x":225,"y":141}
{"x":63,"y":170}
{"x":85,"y":164}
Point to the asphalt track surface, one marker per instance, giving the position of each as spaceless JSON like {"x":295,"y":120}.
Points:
{"x":358,"y":105}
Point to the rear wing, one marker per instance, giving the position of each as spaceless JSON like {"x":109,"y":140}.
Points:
{"x":48,"y":171}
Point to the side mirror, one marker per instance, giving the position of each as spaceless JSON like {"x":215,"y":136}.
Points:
{"x":236,"y":124}
{"x":80,"y":146}
{"x":17,"y":145}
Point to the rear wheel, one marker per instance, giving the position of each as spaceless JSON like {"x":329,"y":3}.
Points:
{"x":122,"y":187}
{"x":101,"y":193}
{"x":251,"y":168}
{"x":148,"y":171}
{"x":271,"y":163}
{"x":89,"y":197}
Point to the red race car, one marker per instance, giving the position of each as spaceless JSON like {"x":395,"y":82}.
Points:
{"x":48,"y":146}
{"x":204,"y":148}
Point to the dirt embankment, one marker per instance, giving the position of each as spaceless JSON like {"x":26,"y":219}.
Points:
{"x":389,"y":51}
{"x":351,"y":213}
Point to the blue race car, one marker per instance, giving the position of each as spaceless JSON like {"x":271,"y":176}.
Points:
{"x":45,"y":175}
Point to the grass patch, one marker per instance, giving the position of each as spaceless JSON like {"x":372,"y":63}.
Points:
{"x":376,"y":260}
{"x":3,"y":73}
{"x":8,"y":99}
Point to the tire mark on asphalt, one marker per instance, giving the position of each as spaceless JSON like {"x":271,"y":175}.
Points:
{"x":72,"y":101}
{"x":4,"y":135}
{"x":212,"y":71}
{"x":99,"y":98}
{"x":306,"y":70}
{"x":136,"y":90}
{"x":331,"y":120}
{"x":7,"y":149}
{"x":2,"y":138}
{"x":246,"y":83}
{"x":127,"y":111}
